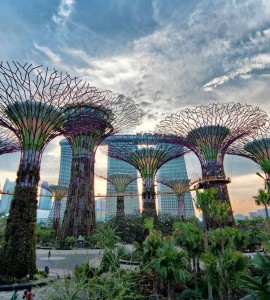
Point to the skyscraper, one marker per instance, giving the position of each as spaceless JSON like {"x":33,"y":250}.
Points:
{"x":167,"y":203}
{"x":65,"y":163}
{"x":45,"y":200}
{"x":131,"y":202}
{"x":9,"y":187}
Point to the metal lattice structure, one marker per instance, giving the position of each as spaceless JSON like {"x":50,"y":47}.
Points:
{"x":8,"y":141}
{"x":180,"y":185}
{"x":88,"y":124}
{"x":120,"y":182}
{"x":208,"y":131}
{"x":31,"y":101}
{"x":147,"y":153}
{"x":58,"y":192}
{"x":255,"y":146}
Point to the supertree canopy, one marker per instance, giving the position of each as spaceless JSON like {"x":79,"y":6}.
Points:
{"x":180,"y":185}
{"x":208,"y":131}
{"x":147,"y":153}
{"x":88,"y":124}
{"x":30,"y":105}
{"x":58,"y":192}
{"x":8,"y":141}
{"x":120,"y":182}
{"x":255,"y":146}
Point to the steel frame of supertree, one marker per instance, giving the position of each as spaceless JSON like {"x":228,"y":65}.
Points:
{"x":120,"y":182}
{"x":85,"y":129}
{"x":208,"y":131}
{"x":180,"y":185}
{"x":147,"y":153}
{"x":8,"y":141}
{"x":255,"y":146}
{"x":31,"y":99}
{"x":58,"y":192}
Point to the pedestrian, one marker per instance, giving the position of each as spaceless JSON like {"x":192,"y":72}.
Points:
{"x":29,"y":295}
{"x":34,"y":297}
{"x":15,"y":295}
{"x":24,"y":294}
{"x":27,"y":277}
{"x":49,"y":254}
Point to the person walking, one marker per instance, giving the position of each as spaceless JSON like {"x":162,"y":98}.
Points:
{"x":49,"y":254}
{"x":29,"y":295}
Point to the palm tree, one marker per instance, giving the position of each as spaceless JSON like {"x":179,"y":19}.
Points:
{"x":190,"y":237}
{"x":170,"y":264}
{"x":263,"y":198}
{"x":257,"y":285}
{"x":222,"y":269}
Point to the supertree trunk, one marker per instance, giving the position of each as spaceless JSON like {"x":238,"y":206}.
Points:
{"x":56,"y":216}
{"x":120,"y":206}
{"x":79,"y":218}
{"x":181,"y":206}
{"x":20,"y":259}
{"x":149,"y":198}
{"x":216,"y":178}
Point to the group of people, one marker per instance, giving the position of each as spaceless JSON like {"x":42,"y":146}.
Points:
{"x":27,"y":295}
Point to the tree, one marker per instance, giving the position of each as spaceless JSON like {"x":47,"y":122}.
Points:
{"x":170,"y":264}
{"x":257,"y":281}
{"x":263,"y":198}
{"x":222,"y":269}
{"x":190,"y":237}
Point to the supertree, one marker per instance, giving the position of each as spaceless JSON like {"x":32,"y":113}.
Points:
{"x":180,"y":184}
{"x":58,"y":192}
{"x":8,"y":141}
{"x":87,"y":126}
{"x":147,"y":153}
{"x":30,"y":105}
{"x":120,"y":182}
{"x":255,"y":146}
{"x":208,"y":131}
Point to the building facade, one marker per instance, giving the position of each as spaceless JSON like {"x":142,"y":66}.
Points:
{"x":9,"y":187}
{"x":167,"y":203}
{"x":45,"y":199}
{"x":65,"y":163}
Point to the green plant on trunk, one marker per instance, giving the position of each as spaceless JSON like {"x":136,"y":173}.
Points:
{"x":257,"y":281}
{"x":190,"y":237}
{"x":222,"y":270}
{"x":263,"y":198}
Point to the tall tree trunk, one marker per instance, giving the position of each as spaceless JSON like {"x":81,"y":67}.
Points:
{"x":120,"y":206}
{"x":149,"y":198}
{"x":56,"y":217}
{"x":266,"y":212}
{"x":169,"y":291}
{"x":195,"y":273}
{"x":18,"y":254}
{"x":79,"y":218}
{"x":181,"y":206}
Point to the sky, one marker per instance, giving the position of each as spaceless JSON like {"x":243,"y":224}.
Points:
{"x":166,"y":55}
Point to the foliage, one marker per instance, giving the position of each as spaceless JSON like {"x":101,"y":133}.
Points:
{"x":222,"y":269}
{"x":45,"y":236}
{"x":70,"y":241}
{"x":189,"y":294}
{"x":257,"y":281}
{"x":106,"y":236}
{"x":263,"y":198}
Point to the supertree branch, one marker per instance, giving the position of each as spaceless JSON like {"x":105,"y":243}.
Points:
{"x":58,"y":192}
{"x":120,"y":182}
{"x":255,"y":146}
{"x":208,"y":131}
{"x":31,"y":103}
{"x":88,"y":124}
{"x":8,"y":141}
{"x":147,"y":153}
{"x":180,"y":185}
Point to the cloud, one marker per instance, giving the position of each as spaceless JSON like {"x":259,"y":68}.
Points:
{"x":54,"y":58}
{"x":64,"y":10}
